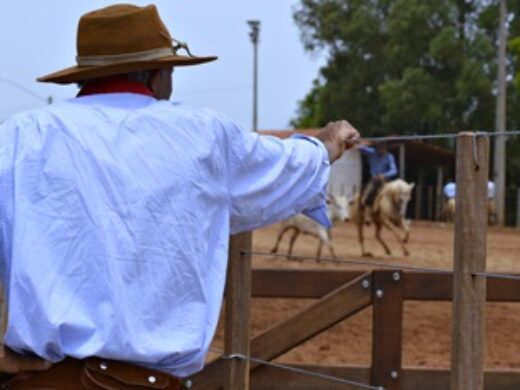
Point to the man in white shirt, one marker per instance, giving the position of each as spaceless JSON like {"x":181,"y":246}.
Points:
{"x":491,"y":209}
{"x":449,"y":190}
{"x":116,"y":207}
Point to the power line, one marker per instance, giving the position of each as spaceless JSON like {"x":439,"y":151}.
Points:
{"x":47,"y":99}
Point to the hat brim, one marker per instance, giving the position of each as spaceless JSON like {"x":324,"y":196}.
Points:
{"x":76,"y":74}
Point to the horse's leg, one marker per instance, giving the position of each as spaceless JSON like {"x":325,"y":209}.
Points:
{"x":332,"y":252}
{"x":293,"y":239}
{"x":380,"y":239}
{"x":279,"y":239}
{"x":406,"y":237}
{"x":361,"y":238}
{"x":325,"y":238}
{"x":406,"y":228}
{"x":320,"y":247}
{"x":391,"y":227}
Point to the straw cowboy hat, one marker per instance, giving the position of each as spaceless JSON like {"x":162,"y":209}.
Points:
{"x":120,"y":39}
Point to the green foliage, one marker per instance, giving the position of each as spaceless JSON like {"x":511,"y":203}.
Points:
{"x":405,"y":66}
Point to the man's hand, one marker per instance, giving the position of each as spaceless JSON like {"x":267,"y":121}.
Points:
{"x":13,"y":363}
{"x":337,"y":137}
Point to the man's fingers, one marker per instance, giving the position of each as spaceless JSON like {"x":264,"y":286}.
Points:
{"x":354,"y":138}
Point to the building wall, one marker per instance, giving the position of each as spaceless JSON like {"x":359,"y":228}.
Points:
{"x":346,"y":175}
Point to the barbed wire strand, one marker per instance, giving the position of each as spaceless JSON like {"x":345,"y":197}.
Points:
{"x":496,"y":275}
{"x":397,"y":267}
{"x":302,"y":371}
{"x":422,"y":137}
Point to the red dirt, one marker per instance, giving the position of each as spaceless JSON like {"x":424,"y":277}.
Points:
{"x":426,"y":325}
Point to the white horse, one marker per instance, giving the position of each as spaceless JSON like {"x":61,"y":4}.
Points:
{"x":388,"y":210}
{"x":337,"y":210}
{"x":449,"y":211}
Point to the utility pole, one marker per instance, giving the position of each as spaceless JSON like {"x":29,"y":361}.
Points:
{"x":254,"y":34}
{"x":500,"y":120}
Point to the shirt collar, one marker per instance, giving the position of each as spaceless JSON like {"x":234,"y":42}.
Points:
{"x":114,"y":84}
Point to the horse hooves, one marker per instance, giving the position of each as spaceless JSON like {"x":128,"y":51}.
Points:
{"x":407,"y":253}
{"x":367,"y":254}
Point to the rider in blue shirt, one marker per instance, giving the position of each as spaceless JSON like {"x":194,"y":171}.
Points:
{"x":382,"y":168}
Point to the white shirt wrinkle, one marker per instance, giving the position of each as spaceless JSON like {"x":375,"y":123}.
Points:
{"x":128,"y":203}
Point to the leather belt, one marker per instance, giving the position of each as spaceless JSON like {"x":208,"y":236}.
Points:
{"x":94,"y":373}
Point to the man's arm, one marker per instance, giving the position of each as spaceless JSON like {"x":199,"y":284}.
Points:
{"x":272,"y":179}
{"x":366,"y":150}
{"x":392,"y":167}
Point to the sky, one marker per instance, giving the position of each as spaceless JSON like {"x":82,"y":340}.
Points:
{"x":38,"y":37}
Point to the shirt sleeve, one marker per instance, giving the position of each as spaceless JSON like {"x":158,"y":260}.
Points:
{"x":367,"y":150}
{"x":273,"y":179}
{"x":392,"y":167}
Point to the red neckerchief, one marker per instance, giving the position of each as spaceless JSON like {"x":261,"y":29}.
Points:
{"x":114,"y":84}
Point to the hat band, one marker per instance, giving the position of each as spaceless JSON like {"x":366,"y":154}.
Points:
{"x":114,"y":59}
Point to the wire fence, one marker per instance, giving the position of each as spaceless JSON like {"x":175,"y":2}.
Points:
{"x":298,"y":370}
{"x":366,"y":263}
{"x":380,"y":264}
{"x":424,"y":137}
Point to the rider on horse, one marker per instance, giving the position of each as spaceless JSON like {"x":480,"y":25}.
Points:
{"x":382,"y":169}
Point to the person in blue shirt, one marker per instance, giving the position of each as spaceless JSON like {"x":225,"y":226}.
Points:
{"x":382,"y":169}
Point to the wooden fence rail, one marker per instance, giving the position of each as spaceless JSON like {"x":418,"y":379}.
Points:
{"x":342,"y":288}
{"x":340,"y":294}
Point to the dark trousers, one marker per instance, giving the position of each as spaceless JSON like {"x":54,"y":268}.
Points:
{"x":371,"y":190}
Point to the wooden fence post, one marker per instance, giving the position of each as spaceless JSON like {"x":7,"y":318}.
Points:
{"x":419,"y":193}
{"x":238,"y":294}
{"x":402,"y":161}
{"x":430,"y":214}
{"x":518,"y":207}
{"x":438,"y":193}
{"x":469,"y":291}
{"x":387,"y":293}
{"x":3,"y":316}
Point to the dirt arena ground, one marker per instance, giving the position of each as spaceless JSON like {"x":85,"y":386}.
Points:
{"x":426,"y":326}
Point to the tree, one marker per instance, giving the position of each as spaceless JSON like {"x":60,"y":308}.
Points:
{"x":403,"y":66}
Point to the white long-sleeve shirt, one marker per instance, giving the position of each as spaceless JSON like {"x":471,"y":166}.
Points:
{"x":115,"y":213}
